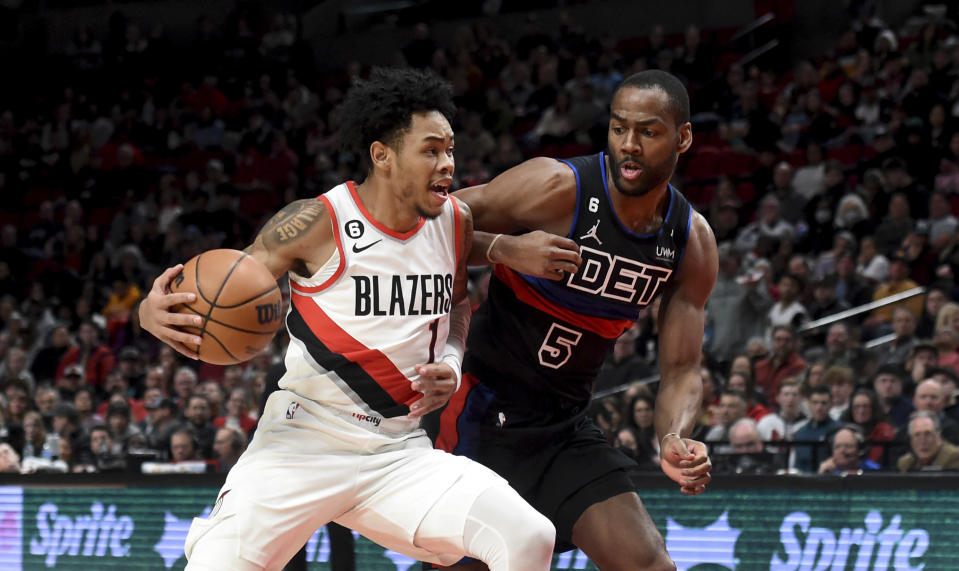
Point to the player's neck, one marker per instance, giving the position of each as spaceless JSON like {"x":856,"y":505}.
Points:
{"x":641,"y":214}
{"x":379,"y":200}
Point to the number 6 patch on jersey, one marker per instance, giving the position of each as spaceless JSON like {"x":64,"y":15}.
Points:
{"x":558,"y":346}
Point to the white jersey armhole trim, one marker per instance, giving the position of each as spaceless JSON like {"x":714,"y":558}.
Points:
{"x":333,"y":266}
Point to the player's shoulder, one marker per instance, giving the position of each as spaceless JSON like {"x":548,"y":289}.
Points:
{"x":701,"y":234}
{"x":700,"y":264}
{"x":461,"y":208}
{"x":464,"y":214}
{"x":550,"y":173}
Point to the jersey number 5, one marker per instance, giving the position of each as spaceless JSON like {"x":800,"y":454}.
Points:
{"x":558,"y":346}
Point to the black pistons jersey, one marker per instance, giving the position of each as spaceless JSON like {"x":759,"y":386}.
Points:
{"x":549,"y":338}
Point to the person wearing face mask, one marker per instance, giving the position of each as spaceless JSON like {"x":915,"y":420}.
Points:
{"x":853,"y":216}
{"x":819,"y":215}
{"x":823,"y":213}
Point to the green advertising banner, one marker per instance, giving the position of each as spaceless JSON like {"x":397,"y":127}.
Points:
{"x":765,"y":529}
{"x":807,"y":530}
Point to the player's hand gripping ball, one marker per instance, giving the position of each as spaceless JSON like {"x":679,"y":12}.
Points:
{"x":239,"y":300}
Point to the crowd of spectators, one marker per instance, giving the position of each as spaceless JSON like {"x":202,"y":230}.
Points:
{"x":829,"y":184}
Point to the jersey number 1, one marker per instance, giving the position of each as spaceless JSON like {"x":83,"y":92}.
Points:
{"x":558,"y":346}
{"x":433,"y":326}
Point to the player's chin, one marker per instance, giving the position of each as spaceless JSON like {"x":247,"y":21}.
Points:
{"x":430,"y":211}
{"x":693,"y":490}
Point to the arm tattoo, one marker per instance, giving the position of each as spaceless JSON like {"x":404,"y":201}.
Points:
{"x":291,"y":223}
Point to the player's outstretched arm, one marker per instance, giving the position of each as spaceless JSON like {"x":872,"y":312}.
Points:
{"x":439,"y":380}
{"x":535,"y":200}
{"x":537,"y":253}
{"x":682,"y":319}
{"x":296,"y":237}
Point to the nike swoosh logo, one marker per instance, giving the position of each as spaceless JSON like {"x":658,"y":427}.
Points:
{"x":370,"y":245}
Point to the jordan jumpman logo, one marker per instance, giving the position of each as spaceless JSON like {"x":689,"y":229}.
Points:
{"x":592,"y":234}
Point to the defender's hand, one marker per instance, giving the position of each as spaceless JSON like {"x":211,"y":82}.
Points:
{"x":538,"y":254}
{"x":687,"y":463}
{"x":437,"y":382}
{"x":156,"y":317}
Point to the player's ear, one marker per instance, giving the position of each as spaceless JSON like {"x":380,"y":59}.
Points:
{"x":380,"y":154}
{"x":685,"y":137}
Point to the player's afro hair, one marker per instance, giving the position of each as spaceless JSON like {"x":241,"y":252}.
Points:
{"x":381,"y":108}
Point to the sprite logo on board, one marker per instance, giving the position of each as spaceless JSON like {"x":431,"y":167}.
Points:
{"x":95,"y":535}
{"x":873,"y":545}
{"x":821,"y":548}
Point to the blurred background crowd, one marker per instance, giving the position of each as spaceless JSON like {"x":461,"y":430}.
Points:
{"x":831,"y":182}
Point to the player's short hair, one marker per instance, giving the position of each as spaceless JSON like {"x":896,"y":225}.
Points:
{"x":381,"y":108}
{"x":669,"y":83}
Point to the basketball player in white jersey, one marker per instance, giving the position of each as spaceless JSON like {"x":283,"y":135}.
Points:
{"x":377,"y":323}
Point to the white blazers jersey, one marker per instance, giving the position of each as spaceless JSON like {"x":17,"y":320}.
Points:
{"x":378,"y":307}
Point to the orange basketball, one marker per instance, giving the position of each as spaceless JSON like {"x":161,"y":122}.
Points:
{"x":239,"y":299}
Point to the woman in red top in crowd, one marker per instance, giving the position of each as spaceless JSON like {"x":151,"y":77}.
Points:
{"x":866,"y":411}
{"x":237,"y":415}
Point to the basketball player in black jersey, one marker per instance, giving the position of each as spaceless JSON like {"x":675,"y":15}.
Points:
{"x":604,"y":235}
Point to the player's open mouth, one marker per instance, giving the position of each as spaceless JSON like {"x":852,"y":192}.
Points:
{"x":630,"y":170}
{"x":441,"y":188}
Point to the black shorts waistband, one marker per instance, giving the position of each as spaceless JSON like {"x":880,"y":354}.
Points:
{"x":517,"y":395}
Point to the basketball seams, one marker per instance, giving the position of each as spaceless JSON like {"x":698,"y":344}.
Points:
{"x":225,"y":349}
{"x":208,"y":335}
{"x":248,"y":300}
{"x":226,"y":278}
